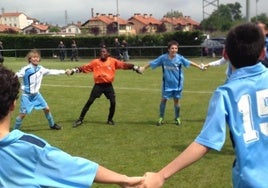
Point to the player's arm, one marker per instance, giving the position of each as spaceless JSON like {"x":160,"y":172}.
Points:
{"x":216,"y":63}
{"x":191,"y":154}
{"x":122,"y":65}
{"x":72,"y":71}
{"x":86,"y":68}
{"x":54,"y":72}
{"x":201,"y":66}
{"x":146,"y":66}
{"x":143,"y":68}
{"x":107,"y":176}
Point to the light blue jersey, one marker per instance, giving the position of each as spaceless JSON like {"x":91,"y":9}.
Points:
{"x":242,"y":104}
{"x":172,"y":71}
{"x":28,"y":161}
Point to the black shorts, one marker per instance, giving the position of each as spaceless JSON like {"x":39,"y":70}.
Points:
{"x":105,"y":88}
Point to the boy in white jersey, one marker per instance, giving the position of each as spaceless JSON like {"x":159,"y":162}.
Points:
{"x":32,"y":75}
{"x":241,"y":104}
{"x":29,"y":161}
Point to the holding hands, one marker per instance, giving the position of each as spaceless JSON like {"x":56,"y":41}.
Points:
{"x":203,"y":66}
{"x":149,"y":180}
{"x":72,"y":71}
{"x":153,"y":180}
{"x":68,"y":72}
{"x":138,"y":69}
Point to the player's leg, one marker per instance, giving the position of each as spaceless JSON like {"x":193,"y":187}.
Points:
{"x":176,"y":99}
{"x":40,"y":103}
{"x":50,"y":119}
{"x":177,"y":111}
{"x":84,"y":110}
{"x":110,"y":94}
{"x":26,"y":107}
{"x":18,"y":121}
{"x":95,"y":93}
{"x":162,"y":108}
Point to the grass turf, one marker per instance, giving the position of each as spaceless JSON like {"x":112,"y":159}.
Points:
{"x":135,"y":145}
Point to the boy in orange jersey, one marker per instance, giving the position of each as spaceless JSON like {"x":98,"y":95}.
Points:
{"x":103,"y":69}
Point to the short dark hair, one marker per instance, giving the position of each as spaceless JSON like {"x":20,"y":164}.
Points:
{"x":244,"y":44}
{"x":9,"y":90}
{"x":104,"y":48}
{"x":173,"y":42}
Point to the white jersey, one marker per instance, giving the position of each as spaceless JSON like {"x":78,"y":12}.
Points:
{"x":32,"y":77}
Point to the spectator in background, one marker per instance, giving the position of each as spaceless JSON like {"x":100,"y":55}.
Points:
{"x":1,"y":53}
{"x":117,"y":46}
{"x":74,"y":55}
{"x":62,"y":51}
{"x":124,"y":46}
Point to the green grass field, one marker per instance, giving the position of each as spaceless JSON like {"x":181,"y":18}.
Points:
{"x":135,"y":145}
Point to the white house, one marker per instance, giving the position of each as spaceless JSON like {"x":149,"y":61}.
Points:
{"x":14,"y":19}
{"x":71,"y":29}
{"x":36,"y":29}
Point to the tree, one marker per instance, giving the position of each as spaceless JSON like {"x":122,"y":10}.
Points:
{"x":172,"y":14}
{"x":235,"y":11}
{"x":261,"y":18}
{"x":54,"y":29}
{"x":223,"y":18}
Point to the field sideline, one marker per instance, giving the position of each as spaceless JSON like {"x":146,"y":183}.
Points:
{"x":135,"y":145}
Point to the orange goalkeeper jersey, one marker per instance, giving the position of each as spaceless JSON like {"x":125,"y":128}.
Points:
{"x":104,"y":71}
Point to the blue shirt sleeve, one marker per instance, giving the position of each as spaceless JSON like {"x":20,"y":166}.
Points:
{"x":186,"y":63}
{"x":213,"y":133}
{"x":59,"y":169}
{"x":157,"y":62}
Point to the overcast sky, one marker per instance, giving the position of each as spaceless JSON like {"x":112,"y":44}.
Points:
{"x":54,"y":11}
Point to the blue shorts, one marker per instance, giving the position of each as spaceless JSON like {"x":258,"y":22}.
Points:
{"x":29,"y":102}
{"x":175,"y":94}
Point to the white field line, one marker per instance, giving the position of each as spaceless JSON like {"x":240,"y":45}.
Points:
{"x":125,"y":88}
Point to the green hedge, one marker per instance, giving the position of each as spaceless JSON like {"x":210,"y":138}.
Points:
{"x":19,"y":45}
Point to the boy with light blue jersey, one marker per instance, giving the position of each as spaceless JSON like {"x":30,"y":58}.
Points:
{"x":241,"y":104}
{"x":29,"y":161}
{"x":172,"y":65}
{"x":32,"y":75}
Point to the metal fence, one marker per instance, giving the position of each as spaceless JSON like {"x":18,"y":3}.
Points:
{"x":85,"y":52}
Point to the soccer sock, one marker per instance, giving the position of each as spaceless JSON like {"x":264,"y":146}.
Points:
{"x":50,"y":119}
{"x":177,"y":111}
{"x":162,"y":109}
{"x":18,"y":123}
